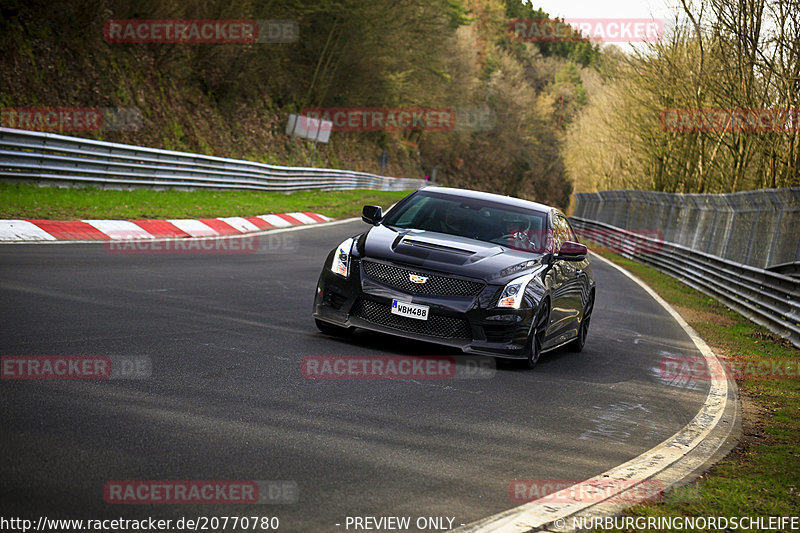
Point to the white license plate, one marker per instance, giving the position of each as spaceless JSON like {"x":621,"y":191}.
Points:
{"x":420,"y":312}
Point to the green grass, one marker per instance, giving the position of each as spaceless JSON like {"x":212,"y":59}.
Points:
{"x":26,"y":201}
{"x":761,"y":477}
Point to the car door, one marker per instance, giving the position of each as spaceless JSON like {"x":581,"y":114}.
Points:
{"x":566,"y":292}
{"x":583,"y":276}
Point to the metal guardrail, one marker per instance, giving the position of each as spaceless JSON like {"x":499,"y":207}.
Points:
{"x":763,"y":296}
{"x":52,"y":158}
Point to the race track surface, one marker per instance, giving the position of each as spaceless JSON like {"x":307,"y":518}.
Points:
{"x":226,"y":399}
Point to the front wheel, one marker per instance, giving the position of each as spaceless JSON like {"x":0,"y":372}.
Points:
{"x":331,"y":329}
{"x":535,"y":340}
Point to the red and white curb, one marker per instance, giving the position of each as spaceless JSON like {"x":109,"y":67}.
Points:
{"x":111,"y":230}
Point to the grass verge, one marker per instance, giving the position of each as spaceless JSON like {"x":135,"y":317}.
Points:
{"x":29,"y":201}
{"x":761,"y":476}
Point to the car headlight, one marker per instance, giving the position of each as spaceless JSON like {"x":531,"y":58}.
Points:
{"x":514,"y":292}
{"x":341,"y":259}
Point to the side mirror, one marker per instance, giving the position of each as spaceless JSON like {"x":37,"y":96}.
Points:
{"x":372,"y":214}
{"x":572,"y":251}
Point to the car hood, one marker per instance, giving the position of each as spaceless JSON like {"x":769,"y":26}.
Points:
{"x":440,"y":252}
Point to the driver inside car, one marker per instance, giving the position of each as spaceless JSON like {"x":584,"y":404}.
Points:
{"x":521,"y":235}
{"x":456,"y":221}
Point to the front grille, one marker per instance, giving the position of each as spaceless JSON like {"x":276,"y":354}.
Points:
{"x":435,"y":326}
{"x":398,"y":278}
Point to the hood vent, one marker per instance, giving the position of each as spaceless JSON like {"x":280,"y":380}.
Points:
{"x":438,"y":247}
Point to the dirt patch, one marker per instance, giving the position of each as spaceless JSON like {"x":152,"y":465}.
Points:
{"x":694,"y":315}
{"x":755,"y":416}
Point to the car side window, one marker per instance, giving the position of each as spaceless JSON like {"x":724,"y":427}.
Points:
{"x":561,"y":232}
{"x":570,"y":232}
{"x":556,"y":233}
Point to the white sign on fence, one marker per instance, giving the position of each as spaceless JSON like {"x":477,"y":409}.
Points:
{"x":313,"y":129}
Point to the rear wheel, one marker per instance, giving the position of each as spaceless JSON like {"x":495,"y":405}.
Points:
{"x":533,"y":350}
{"x":331,"y":329}
{"x":583,"y":329}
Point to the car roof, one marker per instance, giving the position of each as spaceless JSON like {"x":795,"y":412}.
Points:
{"x":491,"y":197}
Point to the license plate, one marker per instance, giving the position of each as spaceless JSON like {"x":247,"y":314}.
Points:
{"x":420,"y":312}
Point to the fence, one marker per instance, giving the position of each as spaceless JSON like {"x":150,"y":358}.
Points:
{"x":758,"y":228}
{"x":698,"y":229}
{"x":58,"y":159}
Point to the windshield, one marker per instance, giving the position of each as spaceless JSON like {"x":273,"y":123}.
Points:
{"x":516,"y":228}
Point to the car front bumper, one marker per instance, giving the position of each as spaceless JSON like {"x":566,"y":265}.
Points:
{"x":468,"y":323}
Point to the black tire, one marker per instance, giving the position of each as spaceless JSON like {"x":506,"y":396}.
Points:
{"x":331,"y":329}
{"x":533,"y":350}
{"x":583,"y":330}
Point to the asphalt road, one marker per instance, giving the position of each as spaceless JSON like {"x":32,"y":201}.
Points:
{"x":226,"y":400}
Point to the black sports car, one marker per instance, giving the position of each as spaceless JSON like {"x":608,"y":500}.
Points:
{"x":485,"y":273}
